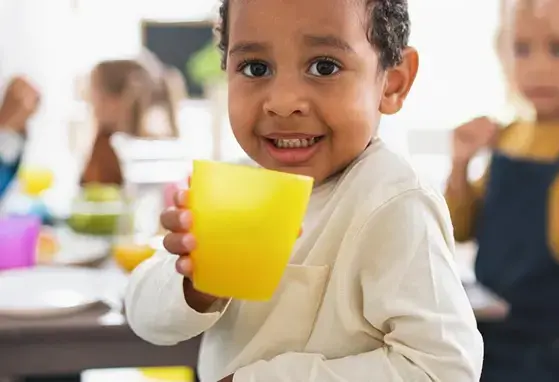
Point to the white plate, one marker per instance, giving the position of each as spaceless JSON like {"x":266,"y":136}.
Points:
{"x":76,"y":249}
{"x":49,"y":291}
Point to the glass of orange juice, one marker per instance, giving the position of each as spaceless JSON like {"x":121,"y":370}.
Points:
{"x":129,"y":254}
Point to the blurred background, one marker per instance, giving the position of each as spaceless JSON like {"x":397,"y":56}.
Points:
{"x":94,"y":195}
{"x":57,"y":43}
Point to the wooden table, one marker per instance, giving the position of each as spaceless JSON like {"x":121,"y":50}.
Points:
{"x":96,"y":338}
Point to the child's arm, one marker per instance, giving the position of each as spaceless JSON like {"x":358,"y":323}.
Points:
{"x":464,"y":198}
{"x":11,"y":148}
{"x":156,"y":307}
{"x":411,"y":292}
{"x":464,"y":201}
{"x":12,"y":144}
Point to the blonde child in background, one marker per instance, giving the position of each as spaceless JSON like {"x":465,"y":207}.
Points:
{"x":123,"y":93}
{"x":513,"y":211}
{"x":371,"y":292}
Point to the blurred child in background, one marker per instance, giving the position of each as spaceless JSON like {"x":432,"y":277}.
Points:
{"x":123,"y":95}
{"x":513,"y":211}
{"x":20,"y":102}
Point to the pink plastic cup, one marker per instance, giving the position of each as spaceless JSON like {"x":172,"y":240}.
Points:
{"x":18,"y":242}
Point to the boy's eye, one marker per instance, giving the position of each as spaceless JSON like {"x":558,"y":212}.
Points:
{"x":521,"y":49}
{"x":255,"y":69}
{"x":554,"y":48}
{"x":324,"y":67}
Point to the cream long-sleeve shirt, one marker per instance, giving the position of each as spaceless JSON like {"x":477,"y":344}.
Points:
{"x":371,"y":293}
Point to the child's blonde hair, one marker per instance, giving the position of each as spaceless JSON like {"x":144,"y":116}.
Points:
{"x":518,"y":106}
{"x":144,"y":84}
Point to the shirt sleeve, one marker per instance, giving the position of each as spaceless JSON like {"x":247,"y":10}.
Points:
{"x":464,"y":211}
{"x":412,"y":293}
{"x":11,"y":146}
{"x":156,"y":308}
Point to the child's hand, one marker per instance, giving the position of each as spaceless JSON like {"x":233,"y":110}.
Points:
{"x":471,"y":137}
{"x":20,"y":102}
{"x":181,"y":242}
{"x":178,"y":220}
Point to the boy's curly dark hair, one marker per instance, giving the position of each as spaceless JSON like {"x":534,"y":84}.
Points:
{"x":388,"y":30}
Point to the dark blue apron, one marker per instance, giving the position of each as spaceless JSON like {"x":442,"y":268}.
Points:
{"x":515,"y":261}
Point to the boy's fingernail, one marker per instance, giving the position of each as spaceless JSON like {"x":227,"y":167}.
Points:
{"x":188,"y":242}
{"x":181,"y":266}
{"x":181,"y":196}
{"x":185,"y":219}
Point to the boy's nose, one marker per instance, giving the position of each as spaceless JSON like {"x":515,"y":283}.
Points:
{"x":286,"y":98}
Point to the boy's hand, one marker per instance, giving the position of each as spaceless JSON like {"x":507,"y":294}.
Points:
{"x":181,"y":242}
{"x":471,"y":137}
{"x":20,"y":102}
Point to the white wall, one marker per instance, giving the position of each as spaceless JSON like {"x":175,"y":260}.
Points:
{"x":34,"y":40}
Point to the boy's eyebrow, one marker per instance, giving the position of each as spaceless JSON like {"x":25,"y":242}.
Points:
{"x":330,"y":41}
{"x":248,"y":47}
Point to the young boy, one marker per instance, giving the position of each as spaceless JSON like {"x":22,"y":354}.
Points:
{"x":371,"y":293}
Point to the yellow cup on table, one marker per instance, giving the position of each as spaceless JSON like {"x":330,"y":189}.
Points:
{"x":245,"y":221}
{"x":34,"y":179}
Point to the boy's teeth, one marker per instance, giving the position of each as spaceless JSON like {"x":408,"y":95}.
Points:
{"x":295,"y":143}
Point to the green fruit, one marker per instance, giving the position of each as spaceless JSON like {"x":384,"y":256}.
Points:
{"x":93,"y":224}
{"x":101,"y":193}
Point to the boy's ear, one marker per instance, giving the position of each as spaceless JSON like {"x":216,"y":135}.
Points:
{"x":398,"y":82}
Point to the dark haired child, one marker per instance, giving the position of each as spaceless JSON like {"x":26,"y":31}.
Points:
{"x":371,"y":292}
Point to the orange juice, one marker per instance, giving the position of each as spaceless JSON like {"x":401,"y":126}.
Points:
{"x":129,"y":255}
{"x":47,"y":247}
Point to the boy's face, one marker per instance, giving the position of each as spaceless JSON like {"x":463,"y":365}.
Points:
{"x":305,"y":87}
{"x":536,"y":51}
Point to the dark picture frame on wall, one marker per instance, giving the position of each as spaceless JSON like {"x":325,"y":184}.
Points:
{"x":175,"y":43}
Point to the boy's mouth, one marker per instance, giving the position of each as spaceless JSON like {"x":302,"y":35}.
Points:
{"x":294,"y":143}
{"x":293,"y":149}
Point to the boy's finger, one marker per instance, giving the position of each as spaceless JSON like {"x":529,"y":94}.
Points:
{"x":180,"y":199}
{"x":184,"y":266}
{"x":176,"y":220}
{"x":179,"y":243}
{"x":300,"y":232}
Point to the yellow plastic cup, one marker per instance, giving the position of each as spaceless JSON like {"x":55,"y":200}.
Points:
{"x":245,"y":221}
